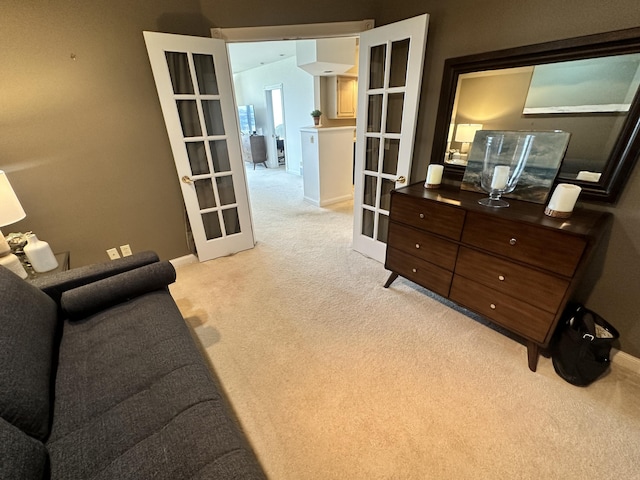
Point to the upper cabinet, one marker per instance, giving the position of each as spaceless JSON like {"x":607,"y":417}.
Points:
{"x":342,"y":96}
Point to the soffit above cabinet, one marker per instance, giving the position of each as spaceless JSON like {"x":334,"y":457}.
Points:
{"x":327,"y":56}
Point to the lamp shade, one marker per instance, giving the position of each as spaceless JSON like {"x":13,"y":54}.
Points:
{"x":466,"y":132}
{"x":10,"y":209}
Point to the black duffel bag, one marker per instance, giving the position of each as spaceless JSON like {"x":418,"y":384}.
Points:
{"x":582,"y":346}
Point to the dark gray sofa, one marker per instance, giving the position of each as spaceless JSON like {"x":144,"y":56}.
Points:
{"x":100,"y":379}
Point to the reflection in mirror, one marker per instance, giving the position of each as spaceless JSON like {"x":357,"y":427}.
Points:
{"x":588,"y":98}
{"x":587,"y":86}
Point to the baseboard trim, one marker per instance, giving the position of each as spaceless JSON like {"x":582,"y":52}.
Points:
{"x":623,"y":359}
{"x":186,"y":260}
{"x":333,"y":200}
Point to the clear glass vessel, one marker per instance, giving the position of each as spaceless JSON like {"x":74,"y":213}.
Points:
{"x":505,"y":157}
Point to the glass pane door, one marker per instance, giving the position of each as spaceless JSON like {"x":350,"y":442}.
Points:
{"x":386,"y":125}
{"x":194,"y":87}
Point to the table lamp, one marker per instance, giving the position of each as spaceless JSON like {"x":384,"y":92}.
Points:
{"x":10,"y":212}
{"x":465,"y":134}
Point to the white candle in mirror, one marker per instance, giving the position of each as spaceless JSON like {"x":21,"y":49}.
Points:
{"x":500,"y":177}
{"x":588,"y":176}
{"x":564,"y":197}
{"x":434,"y":174}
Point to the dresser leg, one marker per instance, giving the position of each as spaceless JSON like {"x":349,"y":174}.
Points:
{"x":532,"y":354}
{"x":390,"y":280}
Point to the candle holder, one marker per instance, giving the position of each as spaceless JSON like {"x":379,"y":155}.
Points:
{"x":563,"y":200}
{"x":504,"y":160}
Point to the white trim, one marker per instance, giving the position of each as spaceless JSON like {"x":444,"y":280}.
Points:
{"x":292,"y":32}
{"x":329,"y":201}
{"x":625,"y":360}
{"x":185,"y":260}
{"x":605,"y":108}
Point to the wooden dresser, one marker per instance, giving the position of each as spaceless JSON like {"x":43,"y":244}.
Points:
{"x":515,"y":266}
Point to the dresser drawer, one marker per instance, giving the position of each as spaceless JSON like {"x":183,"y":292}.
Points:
{"x":549,"y":249}
{"x":423,"y":245}
{"x":429,"y":216}
{"x":532,"y":286}
{"x":515,"y":315}
{"x":423,"y":273}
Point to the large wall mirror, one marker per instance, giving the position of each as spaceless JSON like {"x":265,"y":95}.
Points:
{"x":588,"y":86}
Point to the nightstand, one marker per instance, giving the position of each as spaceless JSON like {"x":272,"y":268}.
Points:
{"x":63,"y":265}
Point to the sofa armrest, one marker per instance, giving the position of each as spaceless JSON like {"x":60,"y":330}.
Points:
{"x":55,"y":285}
{"x":88,"y":299}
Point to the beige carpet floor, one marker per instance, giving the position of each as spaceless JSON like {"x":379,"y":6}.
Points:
{"x":334,"y":377}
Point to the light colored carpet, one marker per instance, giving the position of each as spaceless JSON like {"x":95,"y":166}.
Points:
{"x":334,"y":377}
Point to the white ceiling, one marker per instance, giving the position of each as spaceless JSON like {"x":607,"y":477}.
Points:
{"x":245,"y":56}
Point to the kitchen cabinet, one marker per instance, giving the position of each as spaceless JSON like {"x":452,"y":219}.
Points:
{"x":342,"y":93}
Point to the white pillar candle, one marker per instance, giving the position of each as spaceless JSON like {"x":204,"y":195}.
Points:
{"x":500,"y":177}
{"x":434,"y":174}
{"x":564,"y":198}
{"x":588,"y":176}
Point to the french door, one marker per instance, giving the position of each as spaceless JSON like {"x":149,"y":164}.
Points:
{"x":194,"y":86}
{"x":391,"y":60}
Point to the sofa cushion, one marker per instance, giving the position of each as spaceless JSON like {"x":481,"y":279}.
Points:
{"x":89,"y":299}
{"x":21,"y":457}
{"x":135,"y":399}
{"x":28,"y":320}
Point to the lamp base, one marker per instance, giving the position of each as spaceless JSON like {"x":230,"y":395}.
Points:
{"x":13,"y":263}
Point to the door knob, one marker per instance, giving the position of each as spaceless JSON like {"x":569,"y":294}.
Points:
{"x":401,"y":179}
{"x":186,"y":179}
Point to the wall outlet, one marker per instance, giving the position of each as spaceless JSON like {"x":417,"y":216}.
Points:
{"x":113,"y":253}
{"x":126,"y":250}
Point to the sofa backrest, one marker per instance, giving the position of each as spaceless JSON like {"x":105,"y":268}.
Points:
{"x":28,"y":324}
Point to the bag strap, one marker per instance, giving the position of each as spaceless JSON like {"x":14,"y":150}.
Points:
{"x":589,"y":324}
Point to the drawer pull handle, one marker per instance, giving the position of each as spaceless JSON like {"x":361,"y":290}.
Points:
{"x":414,"y":270}
{"x":422,"y":215}
{"x":501,"y":278}
{"x":512,"y":241}
{"x":493,"y":306}
{"x":417,"y":245}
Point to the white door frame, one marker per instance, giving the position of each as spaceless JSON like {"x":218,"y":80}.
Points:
{"x":272,"y":149}
{"x":314,"y":31}
{"x":307,"y":31}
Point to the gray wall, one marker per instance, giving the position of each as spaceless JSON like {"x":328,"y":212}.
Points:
{"x":83,"y":141}
{"x":85,"y":146}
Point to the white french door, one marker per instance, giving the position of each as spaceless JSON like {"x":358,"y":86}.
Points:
{"x":391,"y":60}
{"x":194,"y":86}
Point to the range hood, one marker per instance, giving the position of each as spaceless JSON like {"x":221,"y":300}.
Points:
{"x":327,"y":56}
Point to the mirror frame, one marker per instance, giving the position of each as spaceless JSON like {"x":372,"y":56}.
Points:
{"x":627,"y":148}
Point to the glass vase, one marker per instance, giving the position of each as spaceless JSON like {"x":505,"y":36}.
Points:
{"x":505,"y":157}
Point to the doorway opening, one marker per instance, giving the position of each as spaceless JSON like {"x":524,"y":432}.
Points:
{"x":268,"y":79}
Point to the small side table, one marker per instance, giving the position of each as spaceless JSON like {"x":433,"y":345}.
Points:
{"x":63,"y":265}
